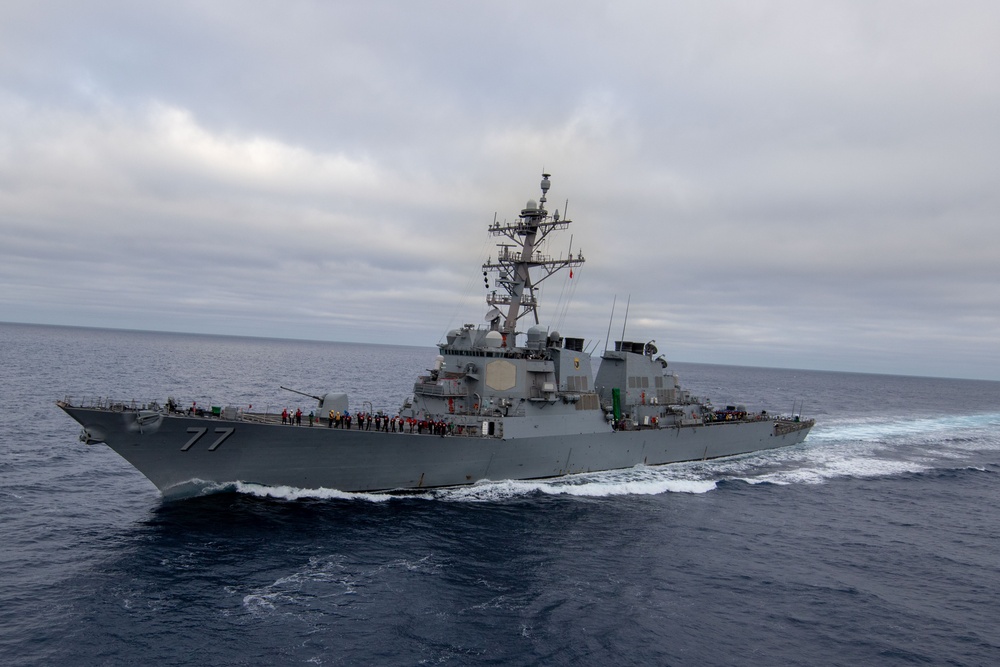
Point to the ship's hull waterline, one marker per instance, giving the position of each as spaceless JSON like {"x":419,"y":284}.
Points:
{"x":187,"y":455}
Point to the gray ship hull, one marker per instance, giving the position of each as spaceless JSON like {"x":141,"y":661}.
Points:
{"x":187,"y":455}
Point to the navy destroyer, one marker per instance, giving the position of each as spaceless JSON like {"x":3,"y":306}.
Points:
{"x":510,"y":399}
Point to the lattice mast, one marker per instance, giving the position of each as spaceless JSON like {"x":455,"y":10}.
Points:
{"x":516,"y":282}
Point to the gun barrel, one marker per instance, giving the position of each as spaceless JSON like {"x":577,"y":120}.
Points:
{"x":301,"y":393}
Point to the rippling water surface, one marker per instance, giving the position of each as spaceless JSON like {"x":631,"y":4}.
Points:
{"x":874,"y":542}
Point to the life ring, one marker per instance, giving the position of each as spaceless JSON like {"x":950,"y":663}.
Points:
{"x":451,"y":405}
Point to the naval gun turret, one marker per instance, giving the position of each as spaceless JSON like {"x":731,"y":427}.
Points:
{"x":335,"y":401}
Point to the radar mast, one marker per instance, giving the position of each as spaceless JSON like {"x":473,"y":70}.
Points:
{"x":520,"y":267}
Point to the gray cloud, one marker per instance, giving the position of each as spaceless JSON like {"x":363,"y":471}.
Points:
{"x":774,"y":183}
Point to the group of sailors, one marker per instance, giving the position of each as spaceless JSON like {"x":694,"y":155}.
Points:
{"x":728,"y":415}
{"x":387,"y":424}
{"x":440,"y":427}
{"x":289,"y":417}
{"x":364,"y":421}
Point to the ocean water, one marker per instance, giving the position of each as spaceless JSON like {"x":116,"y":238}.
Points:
{"x":876,"y":542}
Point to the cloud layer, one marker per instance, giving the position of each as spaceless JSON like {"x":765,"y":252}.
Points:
{"x":775,"y":183}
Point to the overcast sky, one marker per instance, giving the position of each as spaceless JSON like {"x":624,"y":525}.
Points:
{"x":793,"y":184}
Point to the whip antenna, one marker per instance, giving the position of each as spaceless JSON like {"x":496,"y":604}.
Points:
{"x":627,"y":304}
{"x":609,"y":322}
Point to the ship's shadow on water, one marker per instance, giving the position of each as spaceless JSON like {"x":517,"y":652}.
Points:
{"x":238,"y":521}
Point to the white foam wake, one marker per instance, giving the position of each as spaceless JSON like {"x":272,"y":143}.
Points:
{"x":634,"y":481}
{"x":883,"y":428}
{"x":293,"y":493}
{"x":638,"y":481}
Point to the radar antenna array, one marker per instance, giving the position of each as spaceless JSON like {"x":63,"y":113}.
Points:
{"x":520,"y":266}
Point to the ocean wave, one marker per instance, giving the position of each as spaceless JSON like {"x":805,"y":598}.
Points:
{"x":325,"y":577}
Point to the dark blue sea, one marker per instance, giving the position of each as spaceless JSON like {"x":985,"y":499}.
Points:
{"x":876,"y":542}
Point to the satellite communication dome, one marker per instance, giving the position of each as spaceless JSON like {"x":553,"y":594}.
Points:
{"x":493,"y":339}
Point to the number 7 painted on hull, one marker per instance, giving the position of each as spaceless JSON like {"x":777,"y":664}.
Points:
{"x":198,"y":432}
